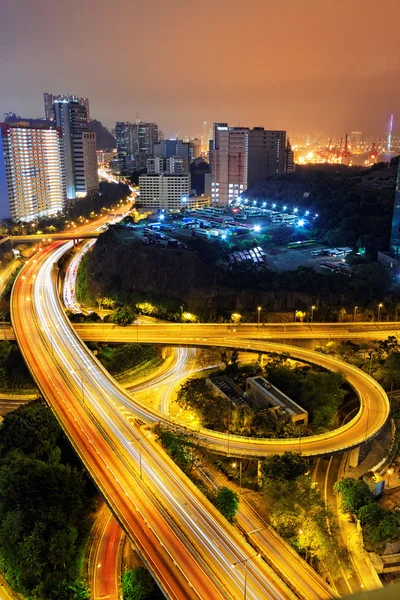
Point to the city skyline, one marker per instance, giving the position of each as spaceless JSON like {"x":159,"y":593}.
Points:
{"x":298,"y":65}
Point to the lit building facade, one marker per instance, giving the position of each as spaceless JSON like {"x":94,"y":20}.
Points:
{"x":49,"y":100}
{"x":170,"y":148}
{"x":79,"y":149}
{"x":241,"y":157}
{"x":289,"y":158}
{"x":164,"y":191}
{"x":135,"y":143}
{"x":229,"y":156}
{"x":32,"y":171}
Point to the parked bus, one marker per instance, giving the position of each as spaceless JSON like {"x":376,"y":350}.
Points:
{"x":301,"y":244}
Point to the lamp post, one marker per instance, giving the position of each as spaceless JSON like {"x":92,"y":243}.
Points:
{"x":312,"y":313}
{"x":139,"y":439}
{"x":49,"y":327}
{"x":379,"y":310}
{"x":245,"y":561}
{"x":80,"y":369}
{"x":354,"y":314}
{"x":258,"y":316}
{"x":240,"y":476}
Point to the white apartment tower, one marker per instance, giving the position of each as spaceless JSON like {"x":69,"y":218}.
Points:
{"x":165,"y":191}
{"x":32,"y":171}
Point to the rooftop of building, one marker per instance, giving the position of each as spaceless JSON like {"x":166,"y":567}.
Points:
{"x":277,"y":397}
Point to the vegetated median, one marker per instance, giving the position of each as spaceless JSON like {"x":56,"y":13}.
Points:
{"x":286,"y":498}
{"x":127,"y":362}
{"x":317,"y":391}
{"x":46,"y":505}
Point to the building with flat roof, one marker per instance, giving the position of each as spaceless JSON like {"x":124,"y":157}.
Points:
{"x":135,"y":144}
{"x":164,"y":191}
{"x":169,"y":148}
{"x":32,"y":170}
{"x":262,"y":393}
{"x":241,"y":157}
{"x":79,"y":149}
{"x":49,"y":100}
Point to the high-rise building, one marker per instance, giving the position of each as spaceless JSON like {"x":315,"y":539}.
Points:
{"x":135,"y":143}
{"x":80,"y":149}
{"x":172,"y":164}
{"x":355,"y":138}
{"x":289,"y":158}
{"x":168,"y":148}
{"x":145,"y":136}
{"x":194,"y":148}
{"x":241,"y":157}
{"x":395,"y":235}
{"x":165,"y":191}
{"x":32,"y":170}
{"x":123,"y":137}
{"x":266,"y":154}
{"x":49,"y":100}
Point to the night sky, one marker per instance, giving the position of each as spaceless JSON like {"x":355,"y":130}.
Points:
{"x":301,"y":65}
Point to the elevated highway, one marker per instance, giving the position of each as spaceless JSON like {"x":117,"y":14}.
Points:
{"x":292,"y":333}
{"x":186,"y":543}
{"x":51,"y":237}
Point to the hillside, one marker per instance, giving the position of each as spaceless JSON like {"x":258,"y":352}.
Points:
{"x":132,"y":272}
{"x":104,"y":139}
{"x":355,"y":205}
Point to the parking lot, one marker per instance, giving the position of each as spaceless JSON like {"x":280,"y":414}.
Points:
{"x":164,"y":231}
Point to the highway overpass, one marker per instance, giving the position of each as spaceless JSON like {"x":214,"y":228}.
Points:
{"x":183,"y":539}
{"x":290,"y":333}
{"x":51,"y":237}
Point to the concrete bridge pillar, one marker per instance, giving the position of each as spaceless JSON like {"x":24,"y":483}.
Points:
{"x":259,"y":475}
{"x":354,"y":456}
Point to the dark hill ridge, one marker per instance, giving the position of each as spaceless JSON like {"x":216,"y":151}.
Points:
{"x":355,"y":205}
{"x":138,"y":268}
{"x":104,"y":139}
{"x":119,"y":269}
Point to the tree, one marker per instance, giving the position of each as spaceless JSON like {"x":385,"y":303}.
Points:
{"x":371,"y":514}
{"x":284,"y":378}
{"x":67,"y":590}
{"x":32,"y":429}
{"x":123,"y":316}
{"x":298,"y":512}
{"x":227,"y":502}
{"x":389,"y":372}
{"x":321,"y":395}
{"x":231,"y":361}
{"x":137,"y":584}
{"x":354,"y":494}
{"x":287,"y":466}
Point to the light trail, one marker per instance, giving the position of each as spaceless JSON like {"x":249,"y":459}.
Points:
{"x":199,"y":545}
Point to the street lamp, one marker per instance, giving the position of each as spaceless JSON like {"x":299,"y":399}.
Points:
{"x":354,"y":314}
{"x":245,"y":561}
{"x":379,"y":310}
{"x":80,"y":369}
{"x":240,"y":476}
{"x":312,"y":312}
{"x":139,"y":439}
{"x":258,"y":316}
